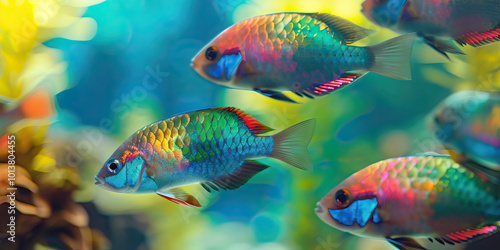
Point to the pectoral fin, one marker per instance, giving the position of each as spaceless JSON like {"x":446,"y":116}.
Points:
{"x":404,"y":243}
{"x":275,"y":95}
{"x":442,"y":46}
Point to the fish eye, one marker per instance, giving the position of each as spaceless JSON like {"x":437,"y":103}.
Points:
{"x":113,"y":166}
{"x":437,"y":120}
{"x":343,"y":197}
{"x":211,"y":53}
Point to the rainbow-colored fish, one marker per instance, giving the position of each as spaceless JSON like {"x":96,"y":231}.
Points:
{"x":468,"y":125}
{"x":306,"y":53}
{"x":472,"y":22}
{"x":422,"y":196}
{"x":215,"y":148}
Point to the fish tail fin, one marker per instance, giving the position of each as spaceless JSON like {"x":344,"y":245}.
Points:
{"x":392,"y":57}
{"x":290,"y":145}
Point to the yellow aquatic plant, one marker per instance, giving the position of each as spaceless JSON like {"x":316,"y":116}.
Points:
{"x":24,"y":25}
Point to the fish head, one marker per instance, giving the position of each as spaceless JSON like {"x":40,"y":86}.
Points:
{"x":452,"y":115}
{"x":124,"y":171}
{"x":219,"y":61}
{"x":385,"y":13}
{"x":350,"y":207}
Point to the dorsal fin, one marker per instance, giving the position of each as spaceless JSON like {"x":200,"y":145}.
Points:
{"x":349,"y":31}
{"x":253,"y":124}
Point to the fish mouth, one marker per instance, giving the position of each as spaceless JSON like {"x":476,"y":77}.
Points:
{"x":359,"y":211}
{"x":98,"y":181}
{"x":319,"y":208}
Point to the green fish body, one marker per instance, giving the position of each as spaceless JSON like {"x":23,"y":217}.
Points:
{"x":215,"y":148}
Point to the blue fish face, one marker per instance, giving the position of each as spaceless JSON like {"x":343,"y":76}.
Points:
{"x":120,"y":177}
{"x":225,"y":68}
{"x":359,"y":211}
{"x":385,"y":13}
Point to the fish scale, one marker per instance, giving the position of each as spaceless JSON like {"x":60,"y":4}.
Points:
{"x":202,"y":138}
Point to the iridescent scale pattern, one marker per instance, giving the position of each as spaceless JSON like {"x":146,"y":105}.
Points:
{"x":201,"y":145}
{"x":299,"y":50}
{"x":428,"y":194}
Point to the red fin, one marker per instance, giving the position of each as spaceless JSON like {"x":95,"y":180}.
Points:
{"x":480,"y":38}
{"x":253,"y":124}
{"x":326,"y":88}
{"x":472,"y":234}
{"x":179,"y":196}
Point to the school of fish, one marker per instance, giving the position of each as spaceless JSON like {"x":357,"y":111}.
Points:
{"x":439,"y":199}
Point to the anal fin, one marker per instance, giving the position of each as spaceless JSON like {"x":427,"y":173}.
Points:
{"x":326,"y":88}
{"x":405,"y":243}
{"x":477,"y":39}
{"x":471,"y":234}
{"x":237,"y":178}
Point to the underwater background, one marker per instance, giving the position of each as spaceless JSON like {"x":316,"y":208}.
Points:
{"x":113,"y":67}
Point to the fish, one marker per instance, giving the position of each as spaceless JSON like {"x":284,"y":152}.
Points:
{"x":467,"y":22}
{"x":37,"y":104}
{"x":308,"y":54}
{"x":406,"y":199}
{"x":467,"y":124}
{"x":212,"y":149}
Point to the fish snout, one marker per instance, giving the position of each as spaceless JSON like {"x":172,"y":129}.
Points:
{"x":319,"y":208}
{"x":98,"y":181}
{"x":193,"y":63}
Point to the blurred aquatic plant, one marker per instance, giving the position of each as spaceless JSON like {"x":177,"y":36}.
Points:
{"x":46,"y":213}
{"x":479,"y":69}
{"x":24,"y":25}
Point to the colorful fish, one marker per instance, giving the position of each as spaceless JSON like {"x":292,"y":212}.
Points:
{"x":306,"y":53}
{"x":472,"y":22}
{"x":468,"y":125}
{"x":215,"y":148}
{"x":422,"y":196}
